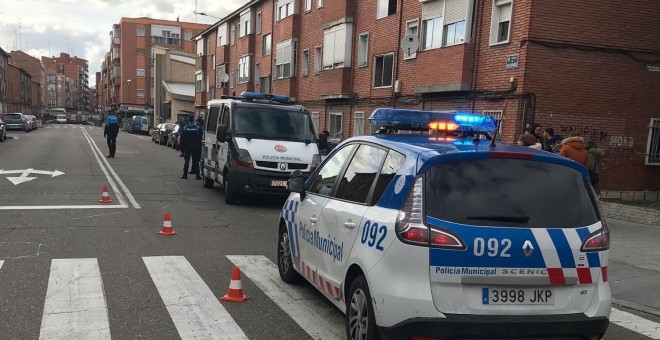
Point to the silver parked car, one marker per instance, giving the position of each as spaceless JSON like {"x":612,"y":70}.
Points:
{"x":17,"y":121}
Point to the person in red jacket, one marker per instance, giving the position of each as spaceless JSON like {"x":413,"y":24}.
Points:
{"x":573,"y":148}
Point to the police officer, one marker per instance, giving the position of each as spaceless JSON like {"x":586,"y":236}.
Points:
{"x":182,"y":124}
{"x":191,"y":143}
{"x":110,"y":133}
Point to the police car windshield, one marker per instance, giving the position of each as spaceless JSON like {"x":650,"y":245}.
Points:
{"x":273,"y":123}
{"x":509,"y":192}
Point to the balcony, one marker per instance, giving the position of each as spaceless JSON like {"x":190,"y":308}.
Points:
{"x":222,"y":54}
{"x":335,"y":83}
{"x":453,"y":74}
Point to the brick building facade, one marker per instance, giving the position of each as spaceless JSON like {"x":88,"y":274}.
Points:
{"x":4,"y":82}
{"x":521,"y":61}
{"x":19,"y":90}
{"x":73,"y":90}
{"x":37,"y":72}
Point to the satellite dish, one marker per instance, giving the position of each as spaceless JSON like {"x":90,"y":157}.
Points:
{"x":224,"y":78}
{"x":410,"y":44}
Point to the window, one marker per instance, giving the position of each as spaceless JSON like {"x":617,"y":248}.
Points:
{"x":208,"y":84}
{"x":231,"y":79}
{"x":284,"y":9}
{"x":412,"y":28}
{"x":258,"y":23}
{"x":393,"y":162}
{"x":315,"y":121}
{"x":140,"y":93}
{"x":454,"y":21}
{"x":267,"y":44}
{"x":140,"y":73}
{"x":335,"y":123}
{"x":213,"y":62}
{"x":319,"y":3}
{"x":257,"y":74}
{"x":140,"y":32}
{"x":363,"y":49}
{"x":222,"y":34}
{"x":265,"y":84}
{"x":386,"y":8}
{"x":232,"y":36}
{"x":199,"y":77}
{"x":358,"y":124}
{"x":187,"y":35}
{"x":383,"y":70}
{"x":308,"y":5}
{"x":284,"y":59}
{"x":500,"y":26}
{"x":245,"y":25}
{"x":140,"y":52}
{"x":305,"y":63}
{"x":653,"y":146}
{"x":360,"y":174}
{"x":325,"y":181}
{"x":243,"y":69}
{"x":212,"y":120}
{"x":454,"y":33}
{"x":432,"y":28}
{"x":201,"y":48}
{"x":497,"y":115}
{"x":318,"y":57}
{"x":220,"y":73}
{"x":337,"y":50}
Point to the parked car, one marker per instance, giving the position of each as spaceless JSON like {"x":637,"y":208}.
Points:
{"x":33,"y":122}
{"x":3,"y":130}
{"x":155,"y":132}
{"x":17,"y":121}
{"x":61,"y":119}
{"x":164,"y":132}
{"x":139,"y":124}
{"x":173,"y":137}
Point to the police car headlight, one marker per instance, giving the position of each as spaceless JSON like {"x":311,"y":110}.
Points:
{"x":244,"y":156}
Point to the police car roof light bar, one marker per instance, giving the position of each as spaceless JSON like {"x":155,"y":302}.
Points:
{"x":418,"y":120}
{"x":264,"y":96}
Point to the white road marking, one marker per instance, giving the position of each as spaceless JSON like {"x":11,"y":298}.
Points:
{"x":196,"y":312}
{"x":635,"y":323}
{"x":26,"y":172}
{"x":62,"y":207}
{"x":318,"y":318}
{"x":1,"y":262}
{"x":120,"y":197}
{"x":75,"y":306}
{"x":114,"y":174}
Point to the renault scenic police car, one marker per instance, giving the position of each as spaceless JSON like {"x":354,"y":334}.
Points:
{"x":443,"y":233}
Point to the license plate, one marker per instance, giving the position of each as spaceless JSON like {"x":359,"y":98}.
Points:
{"x":517,"y":296}
{"x":278,"y":183}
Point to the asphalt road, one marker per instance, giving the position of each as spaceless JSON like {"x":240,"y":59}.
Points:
{"x":46,"y":220}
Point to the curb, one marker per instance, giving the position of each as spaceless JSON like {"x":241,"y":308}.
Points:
{"x":635,"y":306}
{"x":647,"y":216}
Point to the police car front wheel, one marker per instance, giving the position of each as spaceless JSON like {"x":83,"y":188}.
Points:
{"x":360,"y":321}
{"x":284,"y":262}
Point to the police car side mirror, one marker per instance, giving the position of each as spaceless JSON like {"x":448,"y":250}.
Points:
{"x":296,"y":183}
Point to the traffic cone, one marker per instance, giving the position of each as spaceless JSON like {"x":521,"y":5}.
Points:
{"x":105,"y":197}
{"x":235,"y":292}
{"x":167,"y":226}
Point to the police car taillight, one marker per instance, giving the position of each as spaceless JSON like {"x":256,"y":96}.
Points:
{"x":409,"y":225}
{"x":599,"y":240}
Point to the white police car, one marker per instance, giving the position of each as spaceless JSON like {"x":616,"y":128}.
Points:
{"x":449,"y":235}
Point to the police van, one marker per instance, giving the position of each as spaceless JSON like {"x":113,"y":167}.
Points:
{"x":432,"y":230}
{"x":252,"y":143}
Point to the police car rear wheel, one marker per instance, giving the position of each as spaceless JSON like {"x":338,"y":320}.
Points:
{"x":284,"y":261}
{"x":360,"y":321}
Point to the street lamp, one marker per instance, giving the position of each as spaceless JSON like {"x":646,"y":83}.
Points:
{"x":128,"y":96}
{"x":206,"y":15}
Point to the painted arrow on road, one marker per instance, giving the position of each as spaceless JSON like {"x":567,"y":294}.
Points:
{"x":24,"y":177}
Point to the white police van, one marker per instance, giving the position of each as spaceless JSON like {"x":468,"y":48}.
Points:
{"x":252,"y":143}
{"x":444,"y":234}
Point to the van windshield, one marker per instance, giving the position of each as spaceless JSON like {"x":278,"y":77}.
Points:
{"x":273,"y":123}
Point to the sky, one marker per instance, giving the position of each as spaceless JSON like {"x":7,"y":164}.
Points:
{"x":81,"y":27}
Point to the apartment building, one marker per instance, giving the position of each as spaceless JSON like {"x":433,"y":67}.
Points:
{"x":70,"y":77}
{"x":4,"y":80}
{"x":174,"y":92}
{"x":19,"y":88}
{"x":521,"y":61}
{"x":127,"y":71}
{"x":37,"y":72}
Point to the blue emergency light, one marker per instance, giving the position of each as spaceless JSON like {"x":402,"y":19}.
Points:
{"x":420,"y":120}
{"x":263,"y":96}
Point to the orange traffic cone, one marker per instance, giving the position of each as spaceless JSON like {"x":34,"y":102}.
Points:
{"x":235,"y":292}
{"x":167,"y":226}
{"x":105,"y":197}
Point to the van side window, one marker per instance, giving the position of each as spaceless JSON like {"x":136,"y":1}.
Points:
{"x":225,"y":117}
{"x":212,"y":121}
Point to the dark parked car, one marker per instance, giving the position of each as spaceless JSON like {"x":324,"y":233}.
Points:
{"x":3,"y":130}
{"x":163,"y":132}
{"x":17,"y":121}
{"x":173,"y":137}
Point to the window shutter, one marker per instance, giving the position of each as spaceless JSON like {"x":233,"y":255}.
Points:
{"x":340,"y":46}
{"x":505,"y":13}
{"x":283,"y":53}
{"x":328,"y":45}
{"x":455,"y":11}
{"x":281,"y":3}
{"x":432,"y":9}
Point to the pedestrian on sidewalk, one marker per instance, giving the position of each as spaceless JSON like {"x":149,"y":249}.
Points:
{"x":110,"y":133}
{"x":529,"y":140}
{"x":539,"y":133}
{"x":595,"y":158}
{"x":191,"y":143}
{"x":573,"y":148}
{"x":555,"y":143}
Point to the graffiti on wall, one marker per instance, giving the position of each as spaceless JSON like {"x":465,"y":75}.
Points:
{"x":589,"y":133}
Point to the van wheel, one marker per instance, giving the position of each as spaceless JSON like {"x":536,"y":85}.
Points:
{"x":284,"y":260}
{"x":208,"y":182}
{"x":360,"y":320}
{"x":230,"y":194}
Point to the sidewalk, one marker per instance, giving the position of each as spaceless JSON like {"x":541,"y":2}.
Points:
{"x":631,"y":213}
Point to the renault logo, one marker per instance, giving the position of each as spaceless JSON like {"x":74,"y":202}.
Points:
{"x":527,"y":248}
{"x":282,"y":166}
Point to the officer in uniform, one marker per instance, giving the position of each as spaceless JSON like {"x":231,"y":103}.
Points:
{"x":191,"y":144}
{"x":110,"y":133}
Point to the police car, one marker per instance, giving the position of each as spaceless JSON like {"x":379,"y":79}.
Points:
{"x":441,"y":233}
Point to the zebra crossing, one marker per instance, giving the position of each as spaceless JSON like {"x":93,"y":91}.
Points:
{"x":76,"y":302}
{"x":67,"y":126}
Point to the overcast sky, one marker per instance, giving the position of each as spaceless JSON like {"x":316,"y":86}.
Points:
{"x":81,"y":27}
